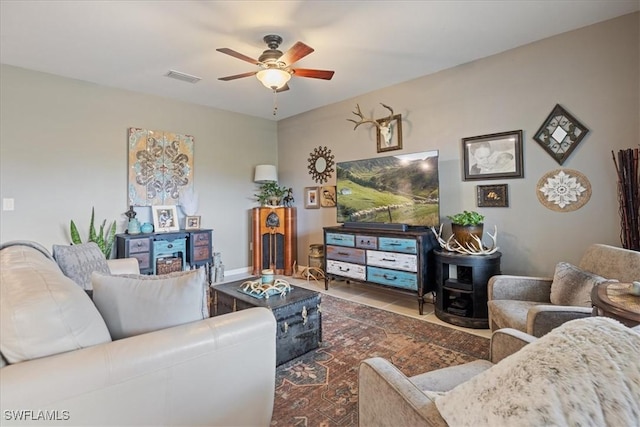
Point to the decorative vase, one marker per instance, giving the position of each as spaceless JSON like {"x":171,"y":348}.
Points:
{"x":146,"y":228}
{"x":134,"y":226}
{"x":463,"y":234}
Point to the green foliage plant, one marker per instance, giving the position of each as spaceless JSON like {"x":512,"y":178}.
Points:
{"x":467,"y":218}
{"x":268,"y":190}
{"x":103,"y":238}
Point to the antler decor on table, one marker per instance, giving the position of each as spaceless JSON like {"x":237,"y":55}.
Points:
{"x":452,"y":245}
{"x":256,"y":287}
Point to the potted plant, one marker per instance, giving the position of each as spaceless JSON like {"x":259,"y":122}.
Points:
{"x":103,"y":238}
{"x":270,"y":193}
{"x":466,"y":224}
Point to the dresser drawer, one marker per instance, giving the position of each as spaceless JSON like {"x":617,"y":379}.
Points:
{"x":143,"y":259}
{"x":366,"y":242}
{"x":340,"y":239}
{"x":201,"y":253}
{"x":346,"y":269}
{"x":168,"y":246}
{"x":397,"y":279}
{"x":346,"y":254}
{"x":201,"y":239}
{"x":393,"y":260}
{"x":395,"y":244}
{"x":139,"y":245}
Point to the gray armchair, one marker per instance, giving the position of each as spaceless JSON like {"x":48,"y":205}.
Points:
{"x":525,"y":303}
{"x":387,"y":397}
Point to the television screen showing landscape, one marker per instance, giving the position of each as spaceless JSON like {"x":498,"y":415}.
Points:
{"x":400,"y":189}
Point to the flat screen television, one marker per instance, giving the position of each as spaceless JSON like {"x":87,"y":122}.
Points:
{"x":401,"y":189}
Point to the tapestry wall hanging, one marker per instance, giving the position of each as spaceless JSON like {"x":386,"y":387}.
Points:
{"x":160,"y":167}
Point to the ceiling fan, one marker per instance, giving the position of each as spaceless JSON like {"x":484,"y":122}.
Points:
{"x":274,"y":67}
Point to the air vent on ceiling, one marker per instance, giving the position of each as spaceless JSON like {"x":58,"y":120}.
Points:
{"x":182,"y":76}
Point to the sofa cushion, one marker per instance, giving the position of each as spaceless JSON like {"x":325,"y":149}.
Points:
{"x":79,"y":261}
{"x":585,"y":372}
{"x":572,"y":286}
{"x":136,"y":304}
{"x":43,"y":312}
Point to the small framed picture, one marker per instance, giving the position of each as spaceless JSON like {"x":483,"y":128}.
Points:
{"x":311,"y":198}
{"x":495,"y":156}
{"x":192,"y":223}
{"x":165,"y":218}
{"x":328,"y":196}
{"x":389,"y":133}
{"x":493,"y":196}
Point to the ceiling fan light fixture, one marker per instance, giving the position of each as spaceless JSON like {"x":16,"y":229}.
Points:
{"x":273,"y":78}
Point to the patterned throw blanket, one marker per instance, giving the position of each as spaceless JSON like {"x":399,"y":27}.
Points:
{"x":586,"y":372}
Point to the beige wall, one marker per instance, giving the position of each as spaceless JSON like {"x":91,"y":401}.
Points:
{"x":63,"y":146}
{"x":64,"y":149}
{"x":593,"y":72}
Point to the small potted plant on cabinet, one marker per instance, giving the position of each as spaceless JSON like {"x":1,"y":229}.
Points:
{"x":270,"y":194}
{"x":466,"y":224}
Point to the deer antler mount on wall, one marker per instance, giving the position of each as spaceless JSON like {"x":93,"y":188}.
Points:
{"x":386,"y":128}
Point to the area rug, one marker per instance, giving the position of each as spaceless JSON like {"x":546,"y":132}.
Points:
{"x":320,"y":388}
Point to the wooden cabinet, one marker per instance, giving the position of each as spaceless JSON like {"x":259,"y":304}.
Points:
{"x":274,"y":239}
{"x":461,"y":295}
{"x":400,"y":260}
{"x":194,"y":248}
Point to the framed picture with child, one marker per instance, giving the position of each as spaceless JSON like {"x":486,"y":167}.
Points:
{"x":494,"y":156}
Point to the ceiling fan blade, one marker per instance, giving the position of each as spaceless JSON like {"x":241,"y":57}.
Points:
{"x":314,"y":74}
{"x":295,"y":53}
{"x":237,"y":76}
{"x":238,"y":55}
{"x":283,"y":88}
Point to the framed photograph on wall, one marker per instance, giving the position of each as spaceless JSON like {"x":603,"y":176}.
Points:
{"x":494,"y":156}
{"x":165,"y":218}
{"x":493,"y":196}
{"x":192,"y":223}
{"x":311,"y":198}
{"x":328,"y":196}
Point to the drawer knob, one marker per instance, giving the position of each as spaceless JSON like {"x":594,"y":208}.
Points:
{"x":343,"y":269}
{"x":169,"y":245}
{"x":389,"y":277}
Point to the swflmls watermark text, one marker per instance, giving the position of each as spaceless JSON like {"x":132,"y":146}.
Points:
{"x":35,"y":415}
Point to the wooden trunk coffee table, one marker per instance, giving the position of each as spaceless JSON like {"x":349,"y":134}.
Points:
{"x":298,"y":315}
{"x":614,"y":300}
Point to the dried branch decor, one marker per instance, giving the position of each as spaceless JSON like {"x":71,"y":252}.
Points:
{"x":628,"y":197}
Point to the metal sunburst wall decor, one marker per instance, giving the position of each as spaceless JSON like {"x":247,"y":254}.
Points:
{"x":321,"y":164}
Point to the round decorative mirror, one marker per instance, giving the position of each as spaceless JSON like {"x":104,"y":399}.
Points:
{"x":321,"y":164}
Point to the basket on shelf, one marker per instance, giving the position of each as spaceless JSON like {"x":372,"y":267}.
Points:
{"x":168,"y":265}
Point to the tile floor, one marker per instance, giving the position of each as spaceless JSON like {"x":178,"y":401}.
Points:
{"x":374,"y":296}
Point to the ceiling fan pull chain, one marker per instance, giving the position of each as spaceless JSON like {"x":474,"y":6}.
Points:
{"x":275,"y":102}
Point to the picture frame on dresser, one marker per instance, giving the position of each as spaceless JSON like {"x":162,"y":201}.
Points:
{"x":165,"y":218}
{"x":192,"y":222}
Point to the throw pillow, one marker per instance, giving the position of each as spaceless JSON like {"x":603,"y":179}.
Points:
{"x":572,"y":285}
{"x":585,"y":372}
{"x":136,"y":304}
{"x":43,"y":312}
{"x":78,"y":262}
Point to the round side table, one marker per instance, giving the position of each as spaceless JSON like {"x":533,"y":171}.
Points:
{"x":462,"y":300}
{"x":613,"y":299}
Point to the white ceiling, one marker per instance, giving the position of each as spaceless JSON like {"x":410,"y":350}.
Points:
{"x":370,"y":44}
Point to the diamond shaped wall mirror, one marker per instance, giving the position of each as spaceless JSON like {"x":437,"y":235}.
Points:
{"x":560,"y":134}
